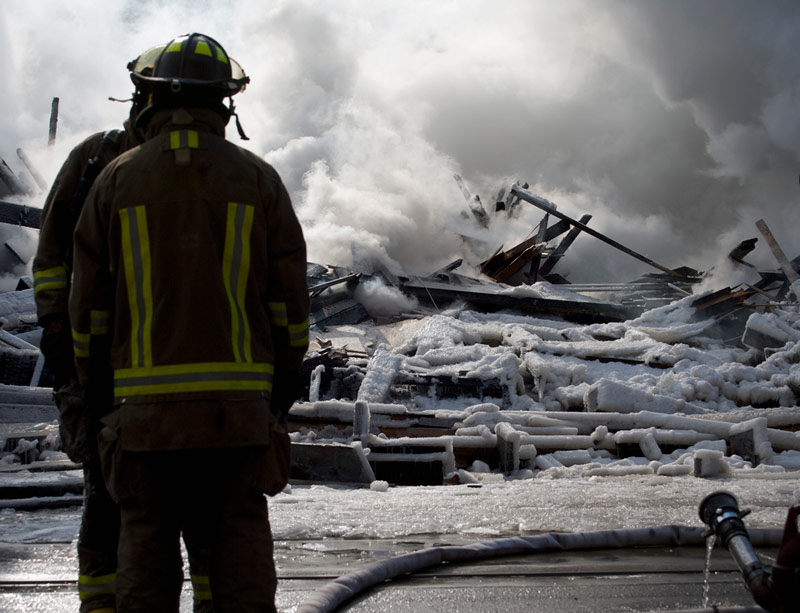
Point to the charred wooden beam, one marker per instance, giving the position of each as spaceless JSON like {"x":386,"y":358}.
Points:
{"x":547,"y":267}
{"x":20,"y":215}
{"x":533,"y":269}
{"x":783,"y":261}
{"x":547,"y":206}
{"x":53,"y":122}
{"x":427,"y":291}
{"x":10,"y":182}
{"x":32,"y":169}
{"x":475,"y":205}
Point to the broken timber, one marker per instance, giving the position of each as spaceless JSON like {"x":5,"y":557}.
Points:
{"x":579,"y":311}
{"x":20,"y":215}
{"x":549,"y":208}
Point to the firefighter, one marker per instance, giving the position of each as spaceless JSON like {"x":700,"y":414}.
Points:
{"x":79,"y":416}
{"x":189,"y":280}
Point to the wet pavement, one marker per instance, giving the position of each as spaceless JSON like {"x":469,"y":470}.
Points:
{"x":40,"y":578}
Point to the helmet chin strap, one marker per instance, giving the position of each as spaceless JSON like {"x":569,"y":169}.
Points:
{"x":232,"y":109}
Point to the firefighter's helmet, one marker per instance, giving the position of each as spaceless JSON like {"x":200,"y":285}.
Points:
{"x":192,"y":60}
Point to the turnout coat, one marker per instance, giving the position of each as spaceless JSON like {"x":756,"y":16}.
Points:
{"x":189,"y":280}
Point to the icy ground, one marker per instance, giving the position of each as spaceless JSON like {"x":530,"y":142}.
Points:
{"x":500,"y":507}
{"x":573,"y":392}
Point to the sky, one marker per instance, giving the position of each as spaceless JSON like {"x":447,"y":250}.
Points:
{"x":674,"y":124}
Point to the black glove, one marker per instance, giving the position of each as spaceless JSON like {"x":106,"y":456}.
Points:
{"x":74,"y":423}
{"x":286,"y":389}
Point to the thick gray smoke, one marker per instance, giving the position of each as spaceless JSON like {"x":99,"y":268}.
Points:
{"x":674,"y":124}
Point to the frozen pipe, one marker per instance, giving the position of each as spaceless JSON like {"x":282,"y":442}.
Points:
{"x":32,"y":169}
{"x":362,"y":457}
{"x":781,"y":440}
{"x":37,"y":371}
{"x":315,"y":382}
{"x":612,"y":396}
{"x":361,"y":420}
{"x":509,"y":440}
{"x":333,"y":594}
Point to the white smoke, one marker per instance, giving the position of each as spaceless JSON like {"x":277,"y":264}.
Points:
{"x":673,"y":123}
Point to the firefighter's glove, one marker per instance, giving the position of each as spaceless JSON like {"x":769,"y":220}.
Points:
{"x":286,"y":390}
{"x":73,"y":422}
{"x":56,"y":346}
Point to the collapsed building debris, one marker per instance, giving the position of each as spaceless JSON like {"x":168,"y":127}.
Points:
{"x":506,"y":372}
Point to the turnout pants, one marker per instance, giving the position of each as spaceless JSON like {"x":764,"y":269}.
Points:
{"x":97,"y":541}
{"x":97,"y":549}
{"x":214,"y":496}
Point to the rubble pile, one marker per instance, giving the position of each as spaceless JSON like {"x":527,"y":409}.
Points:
{"x":514,"y":371}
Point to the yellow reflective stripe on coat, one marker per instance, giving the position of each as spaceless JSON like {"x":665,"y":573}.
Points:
{"x":201,"y":587}
{"x":196,"y":377}
{"x":52,"y":278}
{"x":184,"y":139}
{"x":137,"y":265}
{"x":235,"y":270}
{"x":89,"y":587}
{"x":99,"y":322}
{"x":298,"y":334}
{"x":80,"y":343}
{"x":278,"y":314}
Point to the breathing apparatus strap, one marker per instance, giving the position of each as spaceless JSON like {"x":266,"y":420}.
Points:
{"x":107,"y":149}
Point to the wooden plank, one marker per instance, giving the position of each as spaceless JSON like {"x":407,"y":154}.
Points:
{"x":20,"y":215}
{"x":547,"y":206}
{"x":783,"y":261}
{"x":562,"y":247}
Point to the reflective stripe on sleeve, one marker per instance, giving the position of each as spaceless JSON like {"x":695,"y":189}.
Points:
{"x":99,"y":322}
{"x":52,"y":278}
{"x":235,"y":270}
{"x":89,"y":587}
{"x":197,"y":377}
{"x":298,"y":334}
{"x":278,"y":314}
{"x":137,"y":266}
{"x":80,"y":344}
{"x":201,"y":587}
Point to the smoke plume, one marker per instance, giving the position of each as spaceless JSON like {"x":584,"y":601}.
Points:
{"x":674,"y":124}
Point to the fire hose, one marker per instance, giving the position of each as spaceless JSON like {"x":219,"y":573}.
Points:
{"x":335,"y":593}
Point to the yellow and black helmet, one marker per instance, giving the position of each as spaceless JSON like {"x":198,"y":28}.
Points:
{"x":193,"y":60}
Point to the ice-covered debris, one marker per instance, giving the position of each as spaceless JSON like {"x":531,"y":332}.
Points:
{"x":710,"y":463}
{"x":381,"y":371}
{"x":546,"y":290}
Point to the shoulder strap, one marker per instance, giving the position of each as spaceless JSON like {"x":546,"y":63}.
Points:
{"x":107,"y":149}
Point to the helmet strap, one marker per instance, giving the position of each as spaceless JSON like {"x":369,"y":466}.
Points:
{"x":232,"y":109}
